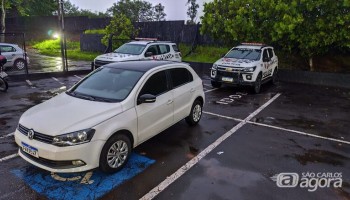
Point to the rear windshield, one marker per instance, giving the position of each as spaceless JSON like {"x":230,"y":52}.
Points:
{"x":239,"y":53}
{"x":134,"y":49}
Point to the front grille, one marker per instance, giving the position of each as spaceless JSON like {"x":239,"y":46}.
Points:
{"x":37,"y":136}
{"x":65,"y":164}
{"x":228,"y":74}
{"x":99,"y":63}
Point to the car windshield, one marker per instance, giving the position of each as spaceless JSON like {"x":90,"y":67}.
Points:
{"x":240,"y":53}
{"x":134,"y":49}
{"x":106,"y":85}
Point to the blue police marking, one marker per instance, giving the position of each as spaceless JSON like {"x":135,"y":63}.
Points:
{"x":98,"y":185}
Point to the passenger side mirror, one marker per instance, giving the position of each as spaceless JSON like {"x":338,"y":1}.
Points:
{"x":146,"y":98}
{"x":148,"y":54}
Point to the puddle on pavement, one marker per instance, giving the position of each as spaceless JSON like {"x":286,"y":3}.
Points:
{"x":320,"y":156}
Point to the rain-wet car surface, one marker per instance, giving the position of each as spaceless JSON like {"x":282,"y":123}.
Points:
{"x":299,"y":129}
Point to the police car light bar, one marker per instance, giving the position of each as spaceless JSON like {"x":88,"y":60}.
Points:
{"x":253,"y":43}
{"x":146,"y":39}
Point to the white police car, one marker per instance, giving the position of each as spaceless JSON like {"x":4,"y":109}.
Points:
{"x":247,"y":64}
{"x":142,"y":49}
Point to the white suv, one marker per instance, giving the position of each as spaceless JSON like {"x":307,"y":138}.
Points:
{"x":141,"y":50}
{"x":247,"y":64}
{"x":98,"y":121}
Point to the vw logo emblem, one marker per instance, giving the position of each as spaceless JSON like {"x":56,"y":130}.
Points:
{"x":31,"y":134}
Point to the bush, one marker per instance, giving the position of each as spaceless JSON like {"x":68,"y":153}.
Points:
{"x":95,"y":31}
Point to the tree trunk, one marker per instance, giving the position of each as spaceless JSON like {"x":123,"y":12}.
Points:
{"x":3,"y":17}
{"x":311,"y":64}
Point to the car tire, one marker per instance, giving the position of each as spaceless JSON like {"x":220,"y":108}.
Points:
{"x":274,"y":77}
{"x":115,"y":153}
{"x":3,"y":85}
{"x":257,"y":84}
{"x":215,"y":84}
{"x":19,"y":64}
{"x":196,"y":113}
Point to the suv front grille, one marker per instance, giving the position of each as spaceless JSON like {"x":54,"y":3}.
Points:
{"x":37,"y":136}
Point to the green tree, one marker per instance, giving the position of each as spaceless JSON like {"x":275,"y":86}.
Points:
{"x":121,"y":28}
{"x":39,"y":7}
{"x":136,"y":10}
{"x":192,"y":11}
{"x":310,"y":27}
{"x":159,"y":14}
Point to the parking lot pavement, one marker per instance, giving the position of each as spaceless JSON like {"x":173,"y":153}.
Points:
{"x":241,"y":142}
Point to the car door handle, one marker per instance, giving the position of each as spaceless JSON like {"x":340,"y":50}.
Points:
{"x":192,"y":90}
{"x":169,"y":102}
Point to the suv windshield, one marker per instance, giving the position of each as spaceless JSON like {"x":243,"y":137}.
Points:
{"x":239,"y":53}
{"x":106,"y":85}
{"x":134,"y":49}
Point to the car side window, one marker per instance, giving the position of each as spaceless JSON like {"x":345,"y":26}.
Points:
{"x":7,"y":49}
{"x":180,"y":76}
{"x":270,"y":53}
{"x":156,"y":84}
{"x":164,"y":48}
{"x":153,"y":49}
{"x":265,"y":55}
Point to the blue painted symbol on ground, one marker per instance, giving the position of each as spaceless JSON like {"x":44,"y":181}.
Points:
{"x":42,"y":182}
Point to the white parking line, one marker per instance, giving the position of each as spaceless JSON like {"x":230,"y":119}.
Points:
{"x":211,"y":90}
{"x":78,"y":77}
{"x":57,"y":80}
{"x":222,"y":116}
{"x":8,"y":135}
{"x":8,"y":157}
{"x":29,"y":83}
{"x":182,"y":170}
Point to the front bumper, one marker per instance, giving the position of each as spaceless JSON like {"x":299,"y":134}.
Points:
{"x":232,"y":78}
{"x":59,"y":159}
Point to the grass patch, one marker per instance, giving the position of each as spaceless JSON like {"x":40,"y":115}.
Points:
{"x":203,"y":54}
{"x":53,"y":48}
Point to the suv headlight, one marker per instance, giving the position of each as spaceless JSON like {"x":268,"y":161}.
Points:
{"x":215,"y":67}
{"x":74,"y":138}
{"x":249,"y":69}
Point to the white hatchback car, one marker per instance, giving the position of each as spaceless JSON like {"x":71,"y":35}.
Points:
{"x":98,"y":121}
{"x":15,"y":56}
{"x":141,"y":50}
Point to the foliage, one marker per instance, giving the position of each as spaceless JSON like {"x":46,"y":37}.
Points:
{"x":95,"y":31}
{"x":311,"y":27}
{"x":204,"y":54}
{"x":192,"y":11}
{"x":159,"y":14}
{"x":137,"y":10}
{"x":39,"y":7}
{"x":121,"y":28}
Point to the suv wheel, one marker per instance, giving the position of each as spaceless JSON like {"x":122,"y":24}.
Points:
{"x":196,"y":113}
{"x":257,"y":84}
{"x":19,"y":64}
{"x":215,"y":84}
{"x":274,"y":77}
{"x":115,"y":153}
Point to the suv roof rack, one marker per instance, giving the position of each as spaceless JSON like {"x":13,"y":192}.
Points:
{"x":146,"y":39}
{"x":253,"y":43}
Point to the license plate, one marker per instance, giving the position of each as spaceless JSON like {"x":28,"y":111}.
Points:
{"x":30,"y":150}
{"x":3,"y":74}
{"x":227,"y":79}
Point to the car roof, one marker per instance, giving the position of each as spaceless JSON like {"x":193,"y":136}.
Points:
{"x":252,"y":46}
{"x":143,"y":65}
{"x":8,"y":44}
{"x":149,"y":42}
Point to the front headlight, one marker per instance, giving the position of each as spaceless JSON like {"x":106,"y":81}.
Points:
{"x":215,"y":67}
{"x":74,"y":138}
{"x":249,"y":69}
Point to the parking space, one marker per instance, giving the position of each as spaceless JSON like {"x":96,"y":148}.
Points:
{"x":241,"y":142}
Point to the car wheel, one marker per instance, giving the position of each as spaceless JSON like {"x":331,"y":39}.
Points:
{"x":274,"y":77}
{"x":257,"y":84}
{"x":3,"y":85}
{"x":115,"y":153}
{"x":19,"y":64}
{"x":215,"y":84}
{"x":196,"y":113}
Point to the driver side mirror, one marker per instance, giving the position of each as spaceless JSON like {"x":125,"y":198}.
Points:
{"x":148,"y":54}
{"x":146,"y":98}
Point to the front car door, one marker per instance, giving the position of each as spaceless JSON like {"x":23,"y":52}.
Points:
{"x":9,"y":52}
{"x":155,"y":117}
{"x":266,"y":63}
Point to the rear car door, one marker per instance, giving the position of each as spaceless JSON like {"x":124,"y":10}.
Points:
{"x":266,"y":63}
{"x":155,"y":117}
{"x":182,"y":83}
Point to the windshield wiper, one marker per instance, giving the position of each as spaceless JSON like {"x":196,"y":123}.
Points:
{"x":81,"y":96}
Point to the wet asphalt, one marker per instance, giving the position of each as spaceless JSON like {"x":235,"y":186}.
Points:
{"x":238,"y":168}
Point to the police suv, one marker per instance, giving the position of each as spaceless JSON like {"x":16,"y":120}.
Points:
{"x":141,"y":49}
{"x":247,"y":64}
